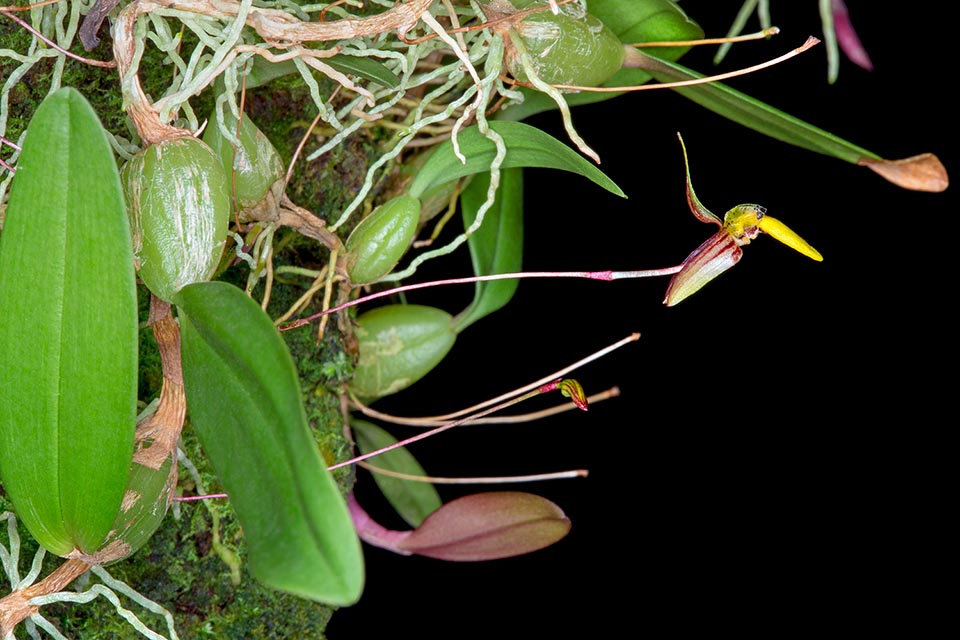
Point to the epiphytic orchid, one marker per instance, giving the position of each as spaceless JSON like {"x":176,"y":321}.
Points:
{"x":719,"y":252}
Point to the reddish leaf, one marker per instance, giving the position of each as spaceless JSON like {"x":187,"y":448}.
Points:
{"x":487,"y":526}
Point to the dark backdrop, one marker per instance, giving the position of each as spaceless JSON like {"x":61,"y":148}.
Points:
{"x":776,"y":461}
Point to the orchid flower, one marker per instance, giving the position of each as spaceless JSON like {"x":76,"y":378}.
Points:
{"x":721,"y":251}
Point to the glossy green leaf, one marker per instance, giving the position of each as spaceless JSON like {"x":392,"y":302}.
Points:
{"x":244,"y":400}
{"x":632,"y":22}
{"x":648,"y":21}
{"x":412,"y":500}
{"x":527,"y":146}
{"x":68,"y":330}
{"x":497,"y":246}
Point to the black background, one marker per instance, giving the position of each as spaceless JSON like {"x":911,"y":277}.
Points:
{"x":777,"y":461}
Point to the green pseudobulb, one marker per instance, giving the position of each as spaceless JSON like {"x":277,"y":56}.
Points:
{"x":178,"y":196}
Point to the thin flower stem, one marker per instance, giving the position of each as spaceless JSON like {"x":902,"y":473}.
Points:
{"x":556,"y":375}
{"x":633,"y":337}
{"x":549,"y":383}
{"x":430,"y":421}
{"x":303,"y":141}
{"x":437,"y":430}
{"x":759,"y":35}
{"x":589,"y":275}
{"x":535,"y":477}
{"x":638,"y":63}
{"x":323,"y":12}
{"x":427,"y":434}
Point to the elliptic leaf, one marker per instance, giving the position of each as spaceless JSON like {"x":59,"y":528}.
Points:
{"x":366,"y":68}
{"x":412,"y":500}
{"x":244,"y":400}
{"x":497,"y":246}
{"x":68,"y":331}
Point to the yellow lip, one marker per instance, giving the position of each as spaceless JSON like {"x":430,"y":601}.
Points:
{"x":784,"y":234}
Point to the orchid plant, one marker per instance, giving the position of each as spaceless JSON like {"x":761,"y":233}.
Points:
{"x":214,"y":216}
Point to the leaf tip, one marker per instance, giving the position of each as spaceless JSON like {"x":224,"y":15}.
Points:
{"x":922,"y":172}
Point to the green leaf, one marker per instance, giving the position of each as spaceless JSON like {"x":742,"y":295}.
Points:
{"x":412,"y":500}
{"x":754,"y":114}
{"x":632,"y":22}
{"x":923,"y":172}
{"x":68,"y":330}
{"x":366,"y":68}
{"x":648,"y":21}
{"x":497,"y":246}
{"x":527,"y":146}
{"x":244,"y":400}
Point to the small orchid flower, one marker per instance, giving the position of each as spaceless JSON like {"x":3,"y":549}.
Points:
{"x":721,"y":251}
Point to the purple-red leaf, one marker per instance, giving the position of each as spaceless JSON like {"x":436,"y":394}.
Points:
{"x":487,"y":526}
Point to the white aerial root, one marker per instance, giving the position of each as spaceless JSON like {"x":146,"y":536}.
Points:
{"x":27,"y":596}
